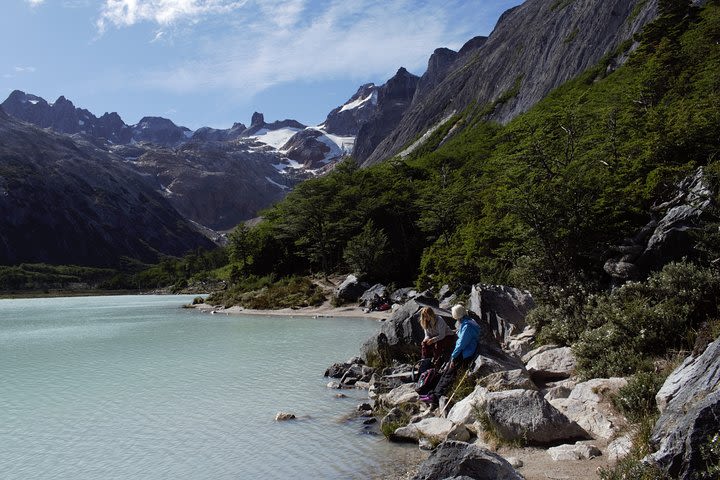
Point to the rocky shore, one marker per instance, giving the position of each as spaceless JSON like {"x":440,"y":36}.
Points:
{"x":522,"y":411}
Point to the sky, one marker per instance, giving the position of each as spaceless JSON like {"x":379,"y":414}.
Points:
{"x":215,"y":62}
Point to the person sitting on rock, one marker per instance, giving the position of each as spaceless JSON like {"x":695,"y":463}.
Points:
{"x":462,"y":356}
{"x":439,"y":337}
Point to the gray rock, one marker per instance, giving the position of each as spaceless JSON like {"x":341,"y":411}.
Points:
{"x":554,"y":364}
{"x":397,"y":396}
{"x":559,"y":390}
{"x":369,"y":295}
{"x":350,"y":289}
{"x":453,"y":459}
{"x":465,"y":411}
{"x":589,"y":405}
{"x":520,"y":344}
{"x":492,"y":359}
{"x":579,"y":451}
{"x":434,"y":429}
{"x":284,"y":416}
{"x":502,"y":308}
{"x":525,"y":415}
{"x":399,"y":338}
{"x":393,"y":417}
{"x":508,"y":380}
{"x":690,"y":415}
{"x":401,"y":295}
{"x":515,"y":462}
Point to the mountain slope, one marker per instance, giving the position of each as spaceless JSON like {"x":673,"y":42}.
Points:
{"x":63,"y":201}
{"x":534,"y":48}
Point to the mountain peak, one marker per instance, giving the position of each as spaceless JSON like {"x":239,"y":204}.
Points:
{"x":257,"y":119}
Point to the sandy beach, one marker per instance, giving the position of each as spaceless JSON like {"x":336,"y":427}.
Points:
{"x":324,"y":310}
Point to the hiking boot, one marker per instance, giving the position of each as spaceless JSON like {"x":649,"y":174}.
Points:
{"x":430,"y":398}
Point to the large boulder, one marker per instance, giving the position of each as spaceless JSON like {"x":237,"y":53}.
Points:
{"x":453,"y":459}
{"x":690,"y":405}
{"x":578,"y":451}
{"x":465,"y":411}
{"x":590,"y":407}
{"x":350,"y":289}
{"x":434,"y":429}
{"x":502,"y":308}
{"x":526,"y":416}
{"x":508,"y":380}
{"x":399,"y":337}
{"x":399,"y":395}
{"x":492,"y":359}
{"x":667,"y":237}
{"x":377,"y":290}
{"x":552,"y":364}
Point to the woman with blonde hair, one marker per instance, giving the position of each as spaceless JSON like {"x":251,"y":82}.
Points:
{"x":439,"y":337}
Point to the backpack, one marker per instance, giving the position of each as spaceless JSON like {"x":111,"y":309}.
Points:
{"x":427,"y":381}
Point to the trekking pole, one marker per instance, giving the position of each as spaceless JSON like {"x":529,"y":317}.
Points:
{"x":454,"y":392}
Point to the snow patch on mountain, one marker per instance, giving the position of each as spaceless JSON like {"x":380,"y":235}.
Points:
{"x":425,"y":136}
{"x":360,"y":102}
{"x":275,"y":138}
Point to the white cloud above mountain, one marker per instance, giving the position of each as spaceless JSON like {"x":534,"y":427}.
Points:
{"x":269,"y":42}
{"x":125,"y":13}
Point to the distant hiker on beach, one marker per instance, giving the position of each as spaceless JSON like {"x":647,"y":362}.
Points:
{"x":462,"y":356}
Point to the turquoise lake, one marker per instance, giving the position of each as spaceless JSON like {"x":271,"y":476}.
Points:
{"x":136,"y":387}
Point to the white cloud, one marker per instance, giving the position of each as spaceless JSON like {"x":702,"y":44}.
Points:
{"x":125,"y":13}
{"x":25,"y":69}
{"x":339,"y":38}
{"x":35,"y":3}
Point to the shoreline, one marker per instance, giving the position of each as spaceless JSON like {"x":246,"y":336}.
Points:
{"x":323,"y":311}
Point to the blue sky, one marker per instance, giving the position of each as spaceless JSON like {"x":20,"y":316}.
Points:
{"x":214,"y":62}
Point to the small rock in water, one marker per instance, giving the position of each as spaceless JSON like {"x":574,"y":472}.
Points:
{"x":283,"y":416}
{"x":364,"y":407}
{"x":334,"y":385}
{"x":340,"y":395}
{"x":370,"y":421}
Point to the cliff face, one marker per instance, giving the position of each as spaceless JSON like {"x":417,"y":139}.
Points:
{"x":63,"y":201}
{"x":536,"y":46}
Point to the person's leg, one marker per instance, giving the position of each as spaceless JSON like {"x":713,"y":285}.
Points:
{"x":445,"y":381}
{"x":426,"y":350}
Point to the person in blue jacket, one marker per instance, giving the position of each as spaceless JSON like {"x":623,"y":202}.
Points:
{"x":462,"y":356}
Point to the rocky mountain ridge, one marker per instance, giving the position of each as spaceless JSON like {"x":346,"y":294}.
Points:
{"x":534,"y":48}
{"x":64,"y":201}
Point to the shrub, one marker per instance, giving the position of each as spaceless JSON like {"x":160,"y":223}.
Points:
{"x":641,"y":321}
{"x":636,"y":400}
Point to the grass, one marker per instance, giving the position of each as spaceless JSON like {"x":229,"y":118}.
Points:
{"x":262,"y":293}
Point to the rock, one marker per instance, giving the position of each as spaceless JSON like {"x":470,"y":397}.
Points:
{"x":465,"y":411}
{"x":337,"y":370}
{"x":667,"y":239}
{"x":619,"y":448}
{"x":397,"y":396}
{"x":334,"y":385}
{"x":284,"y":416}
{"x":350,"y":289}
{"x":377,"y":290}
{"x":363,"y":407}
{"x":399,"y":338}
{"x":257,"y":119}
{"x":579,"y":451}
{"x":561,"y":390}
{"x":515,"y":462}
{"x":525,"y":415}
{"x":434,"y":429}
{"x":347,"y":119}
{"x":340,"y":395}
{"x":492,"y":359}
{"x":453,"y":459}
{"x":553,"y":364}
{"x":589,"y":405}
{"x":508,"y":380}
{"x":401,"y":295}
{"x":520,"y":344}
{"x":502,"y":308}
{"x":536,"y":351}
{"x":690,"y":405}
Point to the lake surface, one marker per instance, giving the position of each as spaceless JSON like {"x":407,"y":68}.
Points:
{"x":137,"y":387}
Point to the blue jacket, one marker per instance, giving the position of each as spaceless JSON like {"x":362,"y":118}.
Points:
{"x":468,"y":336}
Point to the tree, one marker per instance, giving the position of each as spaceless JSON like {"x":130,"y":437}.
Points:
{"x":242,"y":246}
{"x":364,"y":253}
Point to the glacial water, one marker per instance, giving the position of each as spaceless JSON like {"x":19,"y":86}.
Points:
{"x":135,"y":387}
